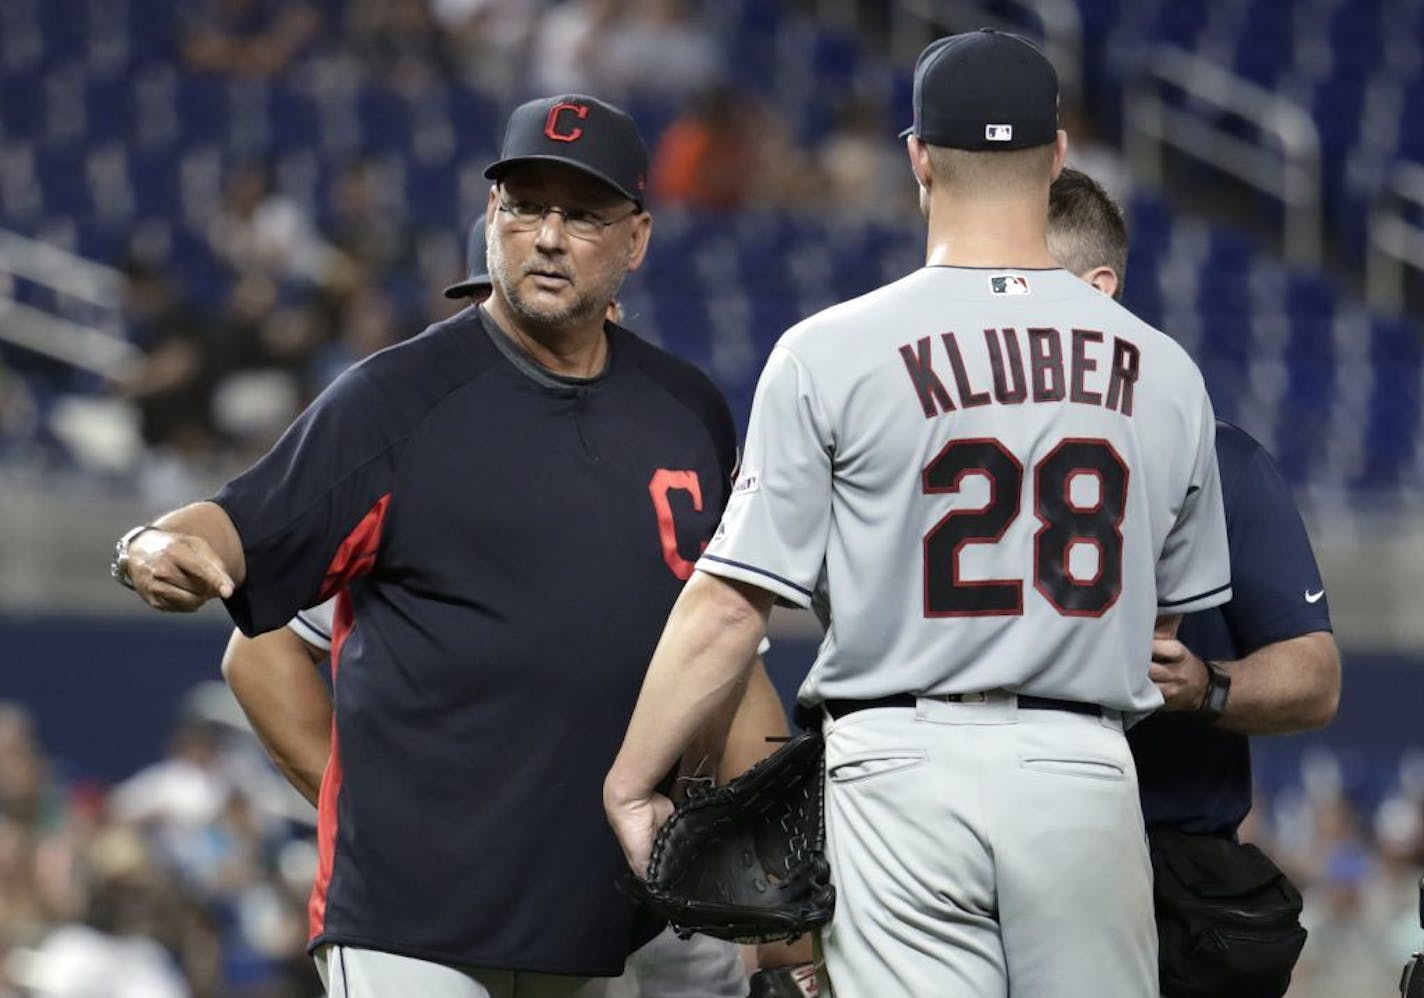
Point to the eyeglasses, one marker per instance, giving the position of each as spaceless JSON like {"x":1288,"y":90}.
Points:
{"x":527,"y":215}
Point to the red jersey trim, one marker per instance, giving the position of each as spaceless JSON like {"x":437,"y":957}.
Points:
{"x":355,"y":556}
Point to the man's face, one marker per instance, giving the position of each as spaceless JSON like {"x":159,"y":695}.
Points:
{"x":551,"y":274}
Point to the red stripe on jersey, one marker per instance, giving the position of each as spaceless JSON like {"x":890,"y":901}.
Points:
{"x":357,"y":554}
{"x":355,"y":557}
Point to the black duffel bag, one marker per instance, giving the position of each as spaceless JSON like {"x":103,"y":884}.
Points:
{"x":1228,"y":920}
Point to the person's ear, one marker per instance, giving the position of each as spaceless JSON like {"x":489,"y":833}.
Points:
{"x":919,"y":160}
{"x":1105,"y":279}
{"x":642,"y":233}
{"x":1060,"y":153}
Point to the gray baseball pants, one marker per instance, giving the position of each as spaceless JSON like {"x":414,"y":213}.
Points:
{"x":984,"y":851}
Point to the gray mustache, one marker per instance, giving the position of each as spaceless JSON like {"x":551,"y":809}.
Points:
{"x":537,"y":267}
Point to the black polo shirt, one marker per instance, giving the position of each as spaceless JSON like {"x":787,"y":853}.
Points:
{"x":506,"y":546}
{"x":1194,"y":776}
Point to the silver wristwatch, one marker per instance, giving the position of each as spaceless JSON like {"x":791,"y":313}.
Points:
{"x":119,"y":567}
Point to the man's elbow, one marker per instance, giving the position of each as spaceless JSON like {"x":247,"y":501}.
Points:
{"x":730,"y":605}
{"x":1324,"y":705}
{"x":1325,"y":702}
{"x":235,"y":658}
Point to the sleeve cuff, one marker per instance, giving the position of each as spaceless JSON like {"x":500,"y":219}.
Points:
{"x":309,"y":632}
{"x":1201,"y":601}
{"x":784,"y":589}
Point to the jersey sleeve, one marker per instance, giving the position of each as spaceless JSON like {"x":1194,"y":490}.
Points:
{"x":313,"y":625}
{"x":1194,"y":569}
{"x":1276,"y":590}
{"x":310,"y":512}
{"x":775,"y":528}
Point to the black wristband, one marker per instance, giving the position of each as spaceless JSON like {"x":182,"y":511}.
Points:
{"x":1218,"y":688}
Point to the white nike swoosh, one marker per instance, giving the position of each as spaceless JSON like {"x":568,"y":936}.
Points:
{"x":1311,"y":597}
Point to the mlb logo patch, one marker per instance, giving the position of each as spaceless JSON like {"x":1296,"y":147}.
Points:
{"x":1008,"y":284}
{"x":746,"y":485}
{"x":998,"y":133}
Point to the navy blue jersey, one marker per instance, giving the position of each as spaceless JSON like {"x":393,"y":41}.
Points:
{"x":1196,"y":776}
{"x":505,"y":546}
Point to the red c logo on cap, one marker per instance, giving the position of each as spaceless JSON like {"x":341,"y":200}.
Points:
{"x":551,"y":124}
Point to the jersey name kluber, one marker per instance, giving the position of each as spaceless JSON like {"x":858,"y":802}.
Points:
{"x":980,"y":481}
{"x":1045,"y":376}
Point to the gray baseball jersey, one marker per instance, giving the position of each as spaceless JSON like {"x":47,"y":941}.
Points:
{"x":313,"y":625}
{"x":986,"y":480}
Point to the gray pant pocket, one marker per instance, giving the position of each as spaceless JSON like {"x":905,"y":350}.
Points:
{"x":866,"y":765}
{"x":1088,"y":767}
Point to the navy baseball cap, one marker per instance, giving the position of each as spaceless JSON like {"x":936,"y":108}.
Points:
{"x":579,"y":131}
{"x":984,"y":90}
{"x":478,"y":278}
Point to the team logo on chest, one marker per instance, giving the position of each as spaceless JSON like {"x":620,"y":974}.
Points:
{"x":665,"y":483}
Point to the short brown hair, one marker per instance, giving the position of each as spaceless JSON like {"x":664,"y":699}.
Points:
{"x":1086,"y":229}
{"x":982,"y":172}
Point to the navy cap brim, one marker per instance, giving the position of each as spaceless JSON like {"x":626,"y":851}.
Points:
{"x":468,"y":288}
{"x":500,"y":167}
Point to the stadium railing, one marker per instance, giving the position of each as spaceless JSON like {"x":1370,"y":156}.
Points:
{"x":1396,"y":236}
{"x":1257,"y":136}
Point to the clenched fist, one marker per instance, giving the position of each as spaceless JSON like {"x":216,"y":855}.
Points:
{"x":174,"y":572}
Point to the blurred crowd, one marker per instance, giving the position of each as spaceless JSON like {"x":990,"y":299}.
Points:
{"x":1358,"y":870}
{"x":190,"y":878}
{"x":309,"y":287}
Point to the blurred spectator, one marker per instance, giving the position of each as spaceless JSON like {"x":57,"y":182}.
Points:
{"x":399,"y":42}
{"x":1391,"y":894}
{"x":113,"y":952}
{"x":569,"y":53}
{"x":707,"y":156}
{"x":726,"y":151}
{"x":259,"y":230}
{"x":368,"y":322}
{"x":254,"y":38}
{"x":172,"y":386}
{"x":212,"y":755}
{"x":658,"y":49}
{"x":491,"y":39}
{"x":648,"y":48}
{"x":360,"y":220}
{"x":254,"y":395}
{"x":864,"y":167}
{"x":26,"y":796}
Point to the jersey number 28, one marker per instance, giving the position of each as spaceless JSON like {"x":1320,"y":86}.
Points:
{"x":1064,"y":524}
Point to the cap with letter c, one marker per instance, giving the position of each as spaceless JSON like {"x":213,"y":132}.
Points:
{"x":984,"y":90}
{"x":579,"y":131}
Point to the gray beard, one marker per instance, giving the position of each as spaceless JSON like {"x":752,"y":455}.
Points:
{"x":582,"y":308}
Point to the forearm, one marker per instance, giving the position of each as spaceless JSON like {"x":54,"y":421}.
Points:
{"x":210,"y":521}
{"x":697,"y":672}
{"x":275,"y":680}
{"x":759,"y":717}
{"x":705,"y":753}
{"x":1291,"y":685}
